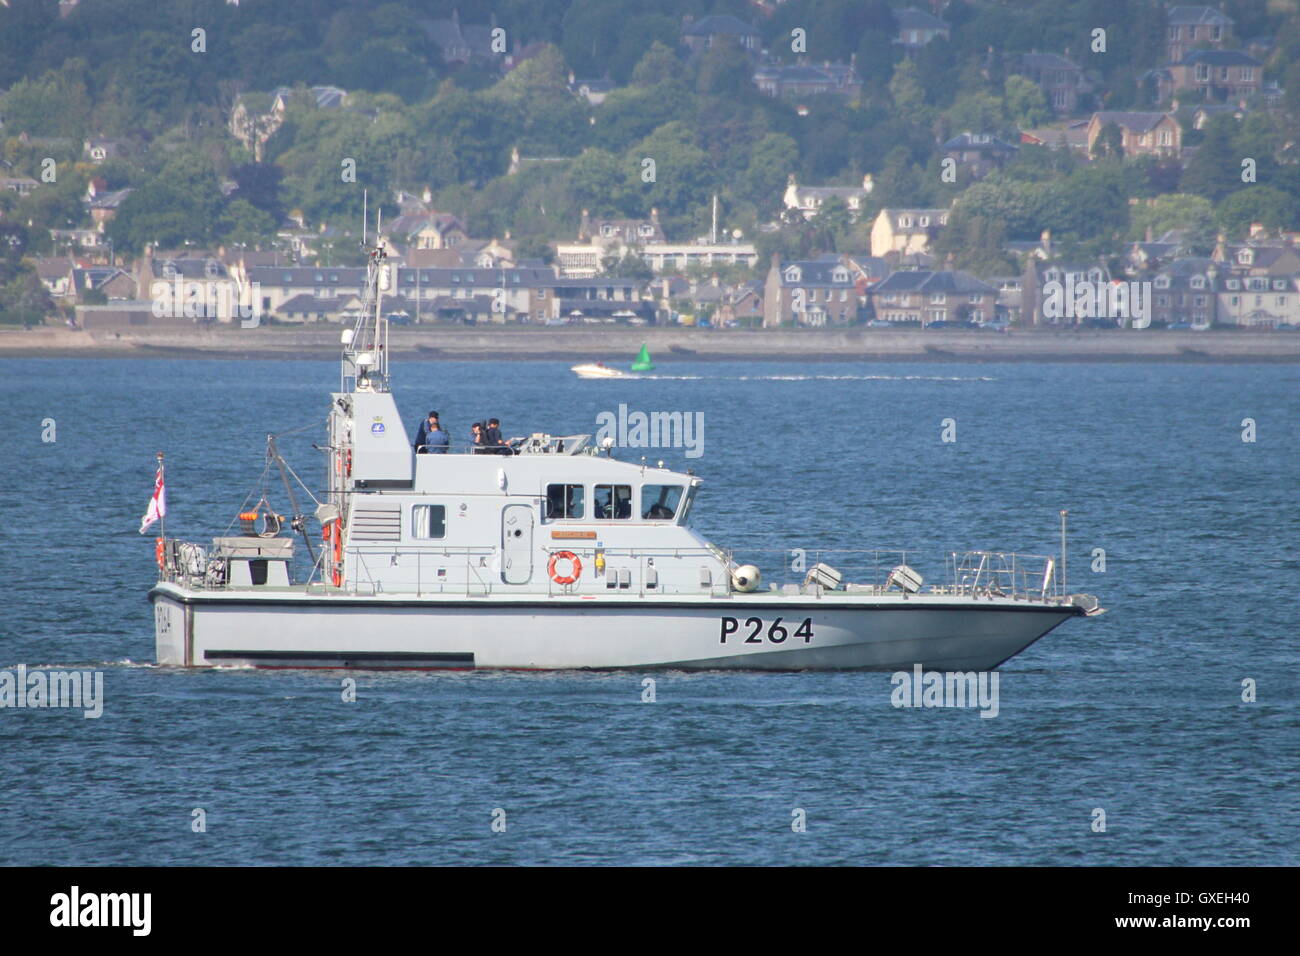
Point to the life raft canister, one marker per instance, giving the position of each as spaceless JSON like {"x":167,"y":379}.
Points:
{"x":573,"y":575}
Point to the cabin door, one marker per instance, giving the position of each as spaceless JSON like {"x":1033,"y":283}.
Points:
{"x":517,"y":544}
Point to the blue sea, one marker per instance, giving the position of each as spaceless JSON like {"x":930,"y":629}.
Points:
{"x":1138,"y":713}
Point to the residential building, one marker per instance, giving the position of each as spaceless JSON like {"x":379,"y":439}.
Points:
{"x":1040,"y":278}
{"x":799,"y":80}
{"x":662,"y":256}
{"x":978,"y":154}
{"x":592,"y":91}
{"x":1072,"y":135}
{"x":56,"y":274}
{"x":808,"y":200}
{"x":815,"y":292}
{"x":426,"y":230}
{"x":1142,"y":134}
{"x":1183,"y":291}
{"x":256,"y":116}
{"x":1195,"y":27}
{"x":600,"y":299}
{"x":1061,"y":80}
{"x":190,"y":283}
{"x":1220,"y":75}
{"x":922,"y":297}
{"x":116,"y":284}
{"x":1257,"y":301}
{"x":601,"y":238}
{"x":102,"y":150}
{"x":103,"y":204}
{"x":916,"y":28}
{"x":1009,"y":305}
{"x":905,"y":230}
{"x":719,"y":30}
{"x":742,"y":305}
{"x":22,"y":185}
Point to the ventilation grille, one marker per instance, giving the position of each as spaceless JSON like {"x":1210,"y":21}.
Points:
{"x":377,"y":522}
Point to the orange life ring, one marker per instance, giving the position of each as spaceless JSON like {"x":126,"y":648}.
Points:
{"x":565,"y":578}
{"x":158,"y":554}
{"x":332,"y":532}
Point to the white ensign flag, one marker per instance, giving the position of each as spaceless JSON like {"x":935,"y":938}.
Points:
{"x":157,"y":504}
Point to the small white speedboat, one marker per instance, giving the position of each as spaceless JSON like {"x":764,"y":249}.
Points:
{"x":598,"y":370}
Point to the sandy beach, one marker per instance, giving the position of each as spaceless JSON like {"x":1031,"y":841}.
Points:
{"x":463,"y":343}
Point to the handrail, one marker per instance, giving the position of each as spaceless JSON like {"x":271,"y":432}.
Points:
{"x":976,"y":573}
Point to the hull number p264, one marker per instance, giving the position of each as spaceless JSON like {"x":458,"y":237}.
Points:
{"x":756,"y":631}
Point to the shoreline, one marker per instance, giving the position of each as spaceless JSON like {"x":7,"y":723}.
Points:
{"x":617,"y":345}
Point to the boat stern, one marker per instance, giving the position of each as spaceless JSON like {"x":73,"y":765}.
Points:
{"x":172,"y":627}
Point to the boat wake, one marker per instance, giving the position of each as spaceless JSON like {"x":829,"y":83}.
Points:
{"x":818,"y":378}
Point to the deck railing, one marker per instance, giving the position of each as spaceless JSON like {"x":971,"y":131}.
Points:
{"x":477,"y":571}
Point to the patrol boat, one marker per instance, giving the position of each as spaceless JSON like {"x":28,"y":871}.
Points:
{"x":552,"y":555}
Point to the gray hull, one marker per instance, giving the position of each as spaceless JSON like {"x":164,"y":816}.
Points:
{"x":743,"y":632}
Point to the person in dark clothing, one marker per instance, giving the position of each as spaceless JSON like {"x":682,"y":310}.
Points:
{"x":492,"y":439}
{"x":476,"y":438}
{"x":431,"y":439}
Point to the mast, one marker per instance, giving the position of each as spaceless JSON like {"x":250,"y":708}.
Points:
{"x":365,"y":345}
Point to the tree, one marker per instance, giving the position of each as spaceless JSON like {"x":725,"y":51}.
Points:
{"x":599,"y":182}
{"x":24,"y":301}
{"x":259,"y":186}
{"x":1272,"y":207}
{"x":1026,"y":103}
{"x":771,"y":161}
{"x":832,"y":222}
{"x":182,"y":202}
{"x":659,"y":65}
{"x":243,"y":222}
{"x":974,"y":243}
{"x":1173,"y":211}
{"x":683,"y":180}
{"x":630,"y":266}
{"x":906,"y":90}
{"x":1215,"y":169}
{"x":1109,"y":143}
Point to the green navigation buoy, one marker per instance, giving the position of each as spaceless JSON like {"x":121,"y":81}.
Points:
{"x":643,"y":363}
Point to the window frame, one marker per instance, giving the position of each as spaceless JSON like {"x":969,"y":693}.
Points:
{"x":613,"y":501}
{"x":415,"y":522}
{"x":568,"y":501}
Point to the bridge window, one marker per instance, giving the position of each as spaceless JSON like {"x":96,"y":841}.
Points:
{"x":613,"y":501}
{"x":429,"y":521}
{"x":565,"y":501}
{"x":659,"y":502}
